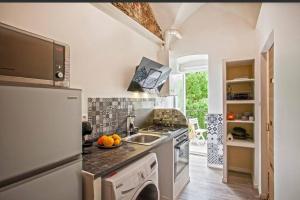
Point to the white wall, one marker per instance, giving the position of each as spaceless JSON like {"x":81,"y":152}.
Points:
{"x":104,"y":52}
{"x":221,"y":35}
{"x":284,"y":20}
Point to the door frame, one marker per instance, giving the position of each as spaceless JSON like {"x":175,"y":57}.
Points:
{"x":264,"y":109}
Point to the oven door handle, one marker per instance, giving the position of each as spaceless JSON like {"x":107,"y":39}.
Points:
{"x":177,"y":146}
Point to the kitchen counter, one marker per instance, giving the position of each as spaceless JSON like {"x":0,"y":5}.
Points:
{"x":102,"y":162}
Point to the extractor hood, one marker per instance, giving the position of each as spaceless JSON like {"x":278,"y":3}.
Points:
{"x":149,"y":77}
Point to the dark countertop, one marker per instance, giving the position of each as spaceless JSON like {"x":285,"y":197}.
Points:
{"x":102,"y":162}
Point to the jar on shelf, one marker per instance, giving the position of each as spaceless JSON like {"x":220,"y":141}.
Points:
{"x":230,"y":116}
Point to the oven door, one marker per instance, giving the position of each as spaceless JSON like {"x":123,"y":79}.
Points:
{"x":181,"y":157}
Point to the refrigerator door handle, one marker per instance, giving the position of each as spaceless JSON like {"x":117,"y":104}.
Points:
{"x":37,"y":172}
{"x":61,"y":183}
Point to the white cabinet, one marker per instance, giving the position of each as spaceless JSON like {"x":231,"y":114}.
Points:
{"x":165,"y":159}
{"x":91,"y":187}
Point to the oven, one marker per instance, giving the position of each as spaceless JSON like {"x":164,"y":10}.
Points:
{"x":181,"y":153}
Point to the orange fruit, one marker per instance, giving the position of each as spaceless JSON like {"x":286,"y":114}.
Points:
{"x":101,"y":139}
{"x":116,"y":136}
{"x":108,"y":141}
{"x":117,"y":141}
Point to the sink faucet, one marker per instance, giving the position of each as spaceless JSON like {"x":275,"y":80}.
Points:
{"x":130,"y":124}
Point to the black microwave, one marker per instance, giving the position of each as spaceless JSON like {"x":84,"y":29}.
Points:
{"x":30,"y":58}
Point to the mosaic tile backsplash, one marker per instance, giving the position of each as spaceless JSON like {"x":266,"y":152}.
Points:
{"x":108,"y":115}
{"x":167,"y":116}
{"x":215,"y":139}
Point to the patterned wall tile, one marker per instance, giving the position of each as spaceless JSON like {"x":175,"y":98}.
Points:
{"x":215,"y":139}
{"x":108,"y":115}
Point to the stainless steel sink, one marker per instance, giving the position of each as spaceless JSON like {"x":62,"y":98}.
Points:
{"x":143,"y":138}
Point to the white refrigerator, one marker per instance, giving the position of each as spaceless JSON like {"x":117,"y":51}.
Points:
{"x":40,"y":143}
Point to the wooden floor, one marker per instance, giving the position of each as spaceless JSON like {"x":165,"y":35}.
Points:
{"x":206,"y":184}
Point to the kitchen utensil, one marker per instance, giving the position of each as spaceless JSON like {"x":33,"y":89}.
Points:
{"x":238,"y":115}
{"x":87,"y":129}
{"x":245,"y":118}
{"x":247,"y":114}
{"x":239,"y":133}
{"x":241,"y":96}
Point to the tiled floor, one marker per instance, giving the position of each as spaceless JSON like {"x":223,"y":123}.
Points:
{"x":206,"y":184}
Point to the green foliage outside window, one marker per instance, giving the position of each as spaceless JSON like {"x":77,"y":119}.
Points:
{"x":197,"y":96}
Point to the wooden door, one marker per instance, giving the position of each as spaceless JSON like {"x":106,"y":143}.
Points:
{"x":270,"y":125}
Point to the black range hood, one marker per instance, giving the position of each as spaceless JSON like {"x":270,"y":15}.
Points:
{"x":149,"y":76}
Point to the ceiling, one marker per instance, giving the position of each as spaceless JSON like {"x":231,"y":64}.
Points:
{"x":173,"y":15}
{"x":246,"y":11}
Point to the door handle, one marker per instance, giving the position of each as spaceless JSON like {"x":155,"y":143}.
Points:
{"x":177,"y":146}
{"x":72,"y":97}
{"x":271,"y":166}
{"x":268,"y":127}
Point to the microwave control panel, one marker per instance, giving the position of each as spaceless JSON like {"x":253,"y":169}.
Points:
{"x":59,"y":62}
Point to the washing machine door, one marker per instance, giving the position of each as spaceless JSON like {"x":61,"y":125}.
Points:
{"x":148,"y":191}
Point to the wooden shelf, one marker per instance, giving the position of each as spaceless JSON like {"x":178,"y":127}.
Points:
{"x":240,"y":80}
{"x":240,"y":101}
{"x":241,"y":143}
{"x":241,"y":121}
{"x":239,"y":77}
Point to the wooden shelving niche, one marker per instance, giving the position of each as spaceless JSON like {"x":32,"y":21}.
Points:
{"x":239,"y":105}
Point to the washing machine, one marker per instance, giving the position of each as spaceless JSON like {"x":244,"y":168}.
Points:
{"x":137,"y":181}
